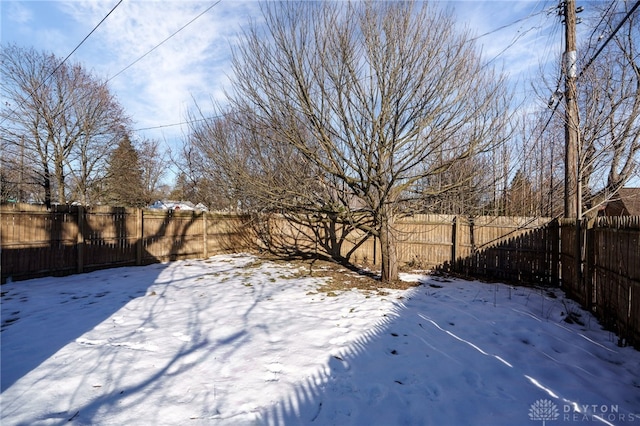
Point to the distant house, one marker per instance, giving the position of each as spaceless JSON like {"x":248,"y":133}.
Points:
{"x":177,"y":205}
{"x":625,"y":203}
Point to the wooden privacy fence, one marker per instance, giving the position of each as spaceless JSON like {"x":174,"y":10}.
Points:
{"x":71,"y":239}
{"x":520,"y":250}
{"x":601,"y":269}
{"x":597,"y":263}
{"x":499,"y":248}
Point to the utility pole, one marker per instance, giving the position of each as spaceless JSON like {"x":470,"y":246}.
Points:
{"x":572,"y":180}
{"x":572,"y":187}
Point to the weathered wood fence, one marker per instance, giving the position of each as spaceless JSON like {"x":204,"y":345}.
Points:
{"x":71,"y":239}
{"x":601,"y":270}
{"x":597,"y":262}
{"x":506,"y":248}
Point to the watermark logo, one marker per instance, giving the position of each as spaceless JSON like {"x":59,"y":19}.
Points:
{"x":543,"y":410}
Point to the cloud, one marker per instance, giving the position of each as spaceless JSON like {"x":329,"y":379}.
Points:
{"x":194,"y":64}
{"x":522,"y":39}
{"x":159,"y":88}
{"x":17,"y":13}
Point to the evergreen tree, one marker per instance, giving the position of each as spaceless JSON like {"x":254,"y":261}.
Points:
{"x":125,"y":184}
{"x":521,"y":196}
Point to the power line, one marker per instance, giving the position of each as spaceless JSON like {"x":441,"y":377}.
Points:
{"x":151,"y":50}
{"x":557,"y":103}
{"x":595,"y":29}
{"x":515,"y":40}
{"x":134,"y":62}
{"x":162,"y":126}
{"x":561,"y":95}
{"x":635,"y":6}
{"x":163,"y":41}
{"x":520,"y":35}
{"x":68,"y":56}
{"x":531,"y":15}
{"x":83,"y":40}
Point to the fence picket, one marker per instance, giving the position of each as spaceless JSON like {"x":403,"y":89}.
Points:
{"x":70,"y":239}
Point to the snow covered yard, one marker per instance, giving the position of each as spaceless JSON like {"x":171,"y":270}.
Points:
{"x":236,"y":340}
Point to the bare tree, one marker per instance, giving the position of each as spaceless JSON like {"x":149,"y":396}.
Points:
{"x":243,"y":168}
{"x":533,"y":182}
{"x":14,"y":177}
{"x":62,"y":117}
{"x":250,"y":170}
{"x":609,"y":99}
{"x":213,"y":161}
{"x":376,"y":95}
{"x":154,"y":167}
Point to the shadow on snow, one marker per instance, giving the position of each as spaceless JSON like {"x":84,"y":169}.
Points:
{"x":41,"y":331}
{"x":421,"y":366}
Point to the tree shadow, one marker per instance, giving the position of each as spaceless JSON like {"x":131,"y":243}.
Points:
{"x":40,"y":328}
{"x":420,"y":367}
{"x":421,"y":362}
{"x":126,"y":389}
{"x":529,"y":258}
{"x":310,"y":237}
{"x":64,"y":240}
{"x":110,"y":366}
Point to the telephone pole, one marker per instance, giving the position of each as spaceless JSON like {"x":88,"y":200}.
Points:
{"x":572,"y":181}
{"x":572,"y":187}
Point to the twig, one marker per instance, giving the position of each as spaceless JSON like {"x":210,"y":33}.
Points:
{"x":318,"y":413}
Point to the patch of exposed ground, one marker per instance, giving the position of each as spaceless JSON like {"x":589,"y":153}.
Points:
{"x":341,"y":278}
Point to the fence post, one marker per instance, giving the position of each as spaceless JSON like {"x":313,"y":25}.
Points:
{"x":80,"y":238}
{"x":455,"y":249}
{"x":375,"y":247}
{"x":139,"y":234}
{"x":555,"y":252}
{"x":205,"y":239}
{"x":588,"y":274}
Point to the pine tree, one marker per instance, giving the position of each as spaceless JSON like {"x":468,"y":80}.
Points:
{"x":521,"y":196}
{"x":124,"y":184}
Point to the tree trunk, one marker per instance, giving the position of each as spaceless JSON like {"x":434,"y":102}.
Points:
{"x":59,"y":175}
{"x":388,"y":249}
{"x":46,"y":185}
{"x":334,"y":243}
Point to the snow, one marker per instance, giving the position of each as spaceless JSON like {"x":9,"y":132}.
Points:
{"x":177,"y":205}
{"x":235,"y":340}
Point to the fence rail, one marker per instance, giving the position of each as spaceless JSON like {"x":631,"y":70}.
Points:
{"x":601,"y":269}
{"x":70,"y":239}
{"x":596,"y":262}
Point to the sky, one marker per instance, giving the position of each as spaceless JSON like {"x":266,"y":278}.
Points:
{"x":158,"y":83}
{"x":237,"y":340}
